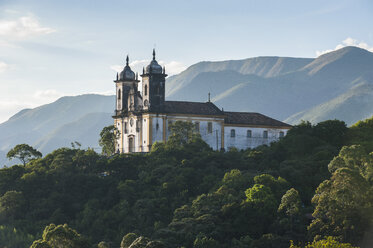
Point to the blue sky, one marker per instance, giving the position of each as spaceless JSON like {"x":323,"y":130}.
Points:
{"x":53,"y":48}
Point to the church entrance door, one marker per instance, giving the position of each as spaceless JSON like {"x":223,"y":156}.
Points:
{"x":131,"y":144}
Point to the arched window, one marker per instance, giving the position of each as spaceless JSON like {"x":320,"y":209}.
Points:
{"x":233,"y":133}
{"x":146,"y":90}
{"x":119,"y":94}
{"x":249,"y":134}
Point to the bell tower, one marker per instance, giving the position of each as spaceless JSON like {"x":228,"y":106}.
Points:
{"x":153,"y":86}
{"x":126,"y":85}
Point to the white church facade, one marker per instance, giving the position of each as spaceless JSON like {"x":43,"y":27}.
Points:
{"x":144,"y":118}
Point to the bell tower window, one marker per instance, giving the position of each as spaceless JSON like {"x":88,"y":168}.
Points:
{"x":146,"y":90}
{"x":119,"y":97}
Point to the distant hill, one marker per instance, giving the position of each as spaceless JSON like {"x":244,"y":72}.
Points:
{"x":336,"y":85}
{"x":54,"y":125}
{"x":283,"y":88}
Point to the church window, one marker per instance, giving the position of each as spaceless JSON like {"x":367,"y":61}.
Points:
{"x":196,"y":126}
{"x":249,"y":134}
{"x":146,"y":90}
{"x":157,"y":126}
{"x":265,"y":134}
{"x":282,"y":134}
{"x":233,"y":133}
{"x":209,"y":127}
{"x":169,"y":125}
{"x":146,"y":103}
{"x":137,"y":126}
{"x":119,"y":94}
{"x":125,"y":128}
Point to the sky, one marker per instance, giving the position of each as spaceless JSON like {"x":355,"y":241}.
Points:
{"x":51,"y":48}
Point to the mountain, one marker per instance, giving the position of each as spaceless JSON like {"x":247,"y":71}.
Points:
{"x":54,"y":125}
{"x":337,"y":85}
{"x":351,"y":106}
{"x":275,"y":86}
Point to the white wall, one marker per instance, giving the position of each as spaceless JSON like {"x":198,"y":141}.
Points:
{"x":213,"y":139}
{"x":241,"y":141}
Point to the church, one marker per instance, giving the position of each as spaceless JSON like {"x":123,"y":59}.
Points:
{"x":144,"y":118}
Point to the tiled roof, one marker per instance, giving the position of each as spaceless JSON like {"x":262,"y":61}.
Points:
{"x":208,"y":108}
{"x":255,"y":119}
{"x":196,"y":108}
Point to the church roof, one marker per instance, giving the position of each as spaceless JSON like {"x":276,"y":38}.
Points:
{"x":208,"y":108}
{"x":194,"y":108}
{"x":255,"y":119}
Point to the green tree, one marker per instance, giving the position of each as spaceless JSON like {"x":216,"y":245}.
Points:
{"x":205,"y":242}
{"x":290,"y":203}
{"x":290,"y":206}
{"x":103,"y":244}
{"x":328,"y":242}
{"x":128,"y":240}
{"x":108,"y":137}
{"x":60,"y":236}
{"x":24,"y":152}
{"x":11,"y":203}
{"x":40,"y":244}
{"x":182,"y":132}
{"x":342,"y":206}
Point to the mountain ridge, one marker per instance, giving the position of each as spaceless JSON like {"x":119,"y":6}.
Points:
{"x":333,"y":85}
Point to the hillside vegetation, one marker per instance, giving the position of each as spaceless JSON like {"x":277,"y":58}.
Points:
{"x":183,"y":194}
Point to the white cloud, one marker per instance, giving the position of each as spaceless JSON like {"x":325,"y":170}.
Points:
{"x":23,"y":27}
{"x":9,"y":108}
{"x":47,"y":95}
{"x":117,"y":68}
{"x":347,"y":42}
{"x":3,"y":67}
{"x":106,"y":93}
{"x":172,"y":67}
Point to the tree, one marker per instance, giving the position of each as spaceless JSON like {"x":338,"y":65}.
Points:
{"x":60,"y":236}
{"x":290,"y":206}
{"x":290,"y":203}
{"x":108,"y":137}
{"x":329,"y":242}
{"x":11,"y":203}
{"x":24,"y":152}
{"x":103,"y":244}
{"x":182,"y":132}
{"x":128,"y":240}
{"x":342,"y":206}
{"x":204,"y":242}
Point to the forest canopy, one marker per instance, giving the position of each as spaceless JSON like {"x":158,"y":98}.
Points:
{"x":313,"y":187}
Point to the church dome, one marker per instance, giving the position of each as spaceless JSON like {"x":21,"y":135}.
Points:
{"x":127,"y":73}
{"x":153,"y":67}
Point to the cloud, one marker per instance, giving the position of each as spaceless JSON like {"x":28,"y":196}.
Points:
{"x":3,"y":67}
{"x":47,"y":95}
{"x":9,"y":107}
{"x":23,"y":27}
{"x":347,"y":42}
{"x":172,"y":67}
